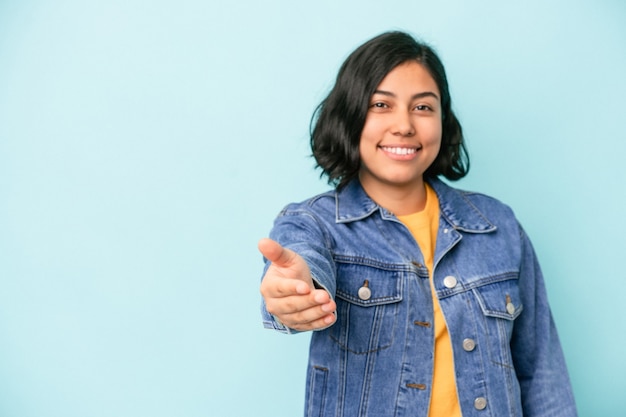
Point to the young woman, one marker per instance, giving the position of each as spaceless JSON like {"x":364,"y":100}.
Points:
{"x":425,"y":300}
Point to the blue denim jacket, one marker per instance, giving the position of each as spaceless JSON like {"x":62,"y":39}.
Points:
{"x":377,"y":359}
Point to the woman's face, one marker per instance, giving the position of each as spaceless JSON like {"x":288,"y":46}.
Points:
{"x":402,"y":132}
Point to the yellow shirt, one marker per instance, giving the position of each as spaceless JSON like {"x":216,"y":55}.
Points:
{"x":444,"y":400}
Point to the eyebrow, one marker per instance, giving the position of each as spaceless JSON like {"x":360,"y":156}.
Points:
{"x":414,"y":97}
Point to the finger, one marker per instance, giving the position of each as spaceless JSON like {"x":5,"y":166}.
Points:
{"x":313,"y":322}
{"x":300,"y":309}
{"x":275,"y":253}
{"x":290,"y":305}
{"x":276,"y":286}
{"x":322,"y":297}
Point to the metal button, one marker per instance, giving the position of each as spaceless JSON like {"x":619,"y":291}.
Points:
{"x":510,"y":308}
{"x":480,"y":403}
{"x":364,"y":292}
{"x":449,"y":281}
{"x":469,"y":345}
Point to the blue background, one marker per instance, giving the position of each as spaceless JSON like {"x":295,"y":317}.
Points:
{"x":145,"y":147}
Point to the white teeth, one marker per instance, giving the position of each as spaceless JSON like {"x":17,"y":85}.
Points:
{"x":399,"y":151}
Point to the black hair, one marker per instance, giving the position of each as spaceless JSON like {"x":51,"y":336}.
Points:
{"x":338,"y":121}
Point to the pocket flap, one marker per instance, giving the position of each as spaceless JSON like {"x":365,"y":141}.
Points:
{"x":500,"y":299}
{"x":382,"y":286}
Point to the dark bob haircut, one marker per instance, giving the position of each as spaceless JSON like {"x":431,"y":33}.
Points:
{"x":338,"y":121}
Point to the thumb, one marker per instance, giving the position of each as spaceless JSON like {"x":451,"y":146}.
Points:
{"x":277,"y":254}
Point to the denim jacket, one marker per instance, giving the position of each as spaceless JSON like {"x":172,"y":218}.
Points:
{"x":377,"y":359}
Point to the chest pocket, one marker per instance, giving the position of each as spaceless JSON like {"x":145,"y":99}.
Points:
{"x":500,"y":303}
{"x":367,"y":304}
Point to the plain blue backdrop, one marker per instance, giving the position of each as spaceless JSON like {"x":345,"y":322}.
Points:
{"x":145,"y":147}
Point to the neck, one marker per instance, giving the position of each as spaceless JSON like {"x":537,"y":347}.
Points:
{"x":399,"y":199}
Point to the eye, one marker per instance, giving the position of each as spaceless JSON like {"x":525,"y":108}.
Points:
{"x":379,"y":105}
{"x":423,"y":107}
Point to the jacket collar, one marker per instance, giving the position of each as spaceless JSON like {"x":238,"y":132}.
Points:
{"x":354,"y":204}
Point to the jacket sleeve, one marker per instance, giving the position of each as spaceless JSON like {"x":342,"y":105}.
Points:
{"x":303,"y":233}
{"x":536,"y":350}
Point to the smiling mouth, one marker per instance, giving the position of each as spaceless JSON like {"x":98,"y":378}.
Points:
{"x":399,"y":150}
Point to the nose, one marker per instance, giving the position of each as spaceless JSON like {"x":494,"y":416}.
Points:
{"x":403,"y":124}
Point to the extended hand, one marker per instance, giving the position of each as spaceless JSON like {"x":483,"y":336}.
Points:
{"x":289,"y":293}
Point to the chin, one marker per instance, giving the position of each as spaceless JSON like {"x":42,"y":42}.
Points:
{"x":405,"y":182}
